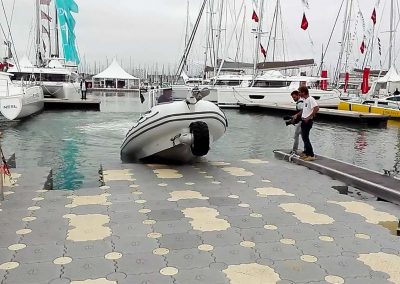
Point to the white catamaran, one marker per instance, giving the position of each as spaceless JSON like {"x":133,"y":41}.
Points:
{"x":59,"y":76}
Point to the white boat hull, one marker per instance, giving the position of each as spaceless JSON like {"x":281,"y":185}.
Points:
{"x":160,"y":132}
{"x":28,"y":102}
{"x":61,"y":90}
{"x":232,"y":97}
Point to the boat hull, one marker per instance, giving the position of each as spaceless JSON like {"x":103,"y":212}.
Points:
{"x":232,"y":97}
{"x":60,"y":90}
{"x":30,"y":101}
{"x":158,"y":133}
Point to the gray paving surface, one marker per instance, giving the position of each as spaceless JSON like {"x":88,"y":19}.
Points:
{"x":202,"y":223}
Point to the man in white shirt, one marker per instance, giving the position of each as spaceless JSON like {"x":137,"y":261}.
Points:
{"x":296,"y":120}
{"x":83,"y":89}
{"x":310,"y":109}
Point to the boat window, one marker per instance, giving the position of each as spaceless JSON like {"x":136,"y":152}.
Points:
{"x":53,"y":77}
{"x":271,"y":84}
{"x":395,"y":99}
{"x":193,"y":82}
{"x":228,"y":82}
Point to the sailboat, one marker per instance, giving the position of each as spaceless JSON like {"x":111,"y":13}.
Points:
{"x":233,"y":76}
{"x":58,"y":76}
{"x":17,"y":99}
{"x":273,"y":87}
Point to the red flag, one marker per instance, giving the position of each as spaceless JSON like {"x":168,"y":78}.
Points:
{"x":373,"y":16}
{"x":44,"y":16}
{"x":304,"y":22}
{"x":324,"y":83}
{"x":346,"y":81}
{"x":364,"y":85}
{"x":263,"y":51}
{"x":362,"y":47}
{"x":255,"y":17}
{"x":45,"y":2}
{"x":4,"y":169}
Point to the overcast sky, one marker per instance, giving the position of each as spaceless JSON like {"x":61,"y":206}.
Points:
{"x":153,"y":31}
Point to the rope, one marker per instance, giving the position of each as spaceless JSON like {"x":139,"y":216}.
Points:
{"x":239,"y":95}
{"x":330,"y":37}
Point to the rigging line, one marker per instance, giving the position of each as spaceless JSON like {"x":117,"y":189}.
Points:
{"x":29,"y":38}
{"x":284,"y":47}
{"x":272,"y":26}
{"x":240,"y":37}
{"x":330,"y":36}
{"x":12,"y":13}
{"x":12,"y":40}
{"x":397,"y":25}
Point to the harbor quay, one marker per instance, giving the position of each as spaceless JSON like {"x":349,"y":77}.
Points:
{"x":238,"y":222}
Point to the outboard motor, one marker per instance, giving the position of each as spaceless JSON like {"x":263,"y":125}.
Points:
{"x":197,"y":95}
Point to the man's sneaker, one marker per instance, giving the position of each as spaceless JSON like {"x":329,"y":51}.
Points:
{"x":309,"y":158}
{"x":302,"y":155}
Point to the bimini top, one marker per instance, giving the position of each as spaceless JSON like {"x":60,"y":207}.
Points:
{"x":115,"y":71}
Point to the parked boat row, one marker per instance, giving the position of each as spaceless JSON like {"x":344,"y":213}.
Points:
{"x":272,"y":88}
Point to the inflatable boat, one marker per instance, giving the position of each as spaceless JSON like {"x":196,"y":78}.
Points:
{"x":177,"y":131}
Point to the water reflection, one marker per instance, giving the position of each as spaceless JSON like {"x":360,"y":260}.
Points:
{"x":68,"y":175}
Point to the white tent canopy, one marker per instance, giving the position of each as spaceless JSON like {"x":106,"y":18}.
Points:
{"x":391,"y":76}
{"x":115,"y":71}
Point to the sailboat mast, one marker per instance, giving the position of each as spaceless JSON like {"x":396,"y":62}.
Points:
{"x":186,"y":31}
{"x":208,"y":29}
{"x":276,"y":26}
{"x":343,"y":44}
{"x":57,"y":43}
{"x":190,"y":42}
{"x":347,"y":39}
{"x":49,"y":31}
{"x":391,"y":32}
{"x":258,"y":38}
{"x":218,"y":36}
{"x":38,"y":33}
{"x":187,"y":23}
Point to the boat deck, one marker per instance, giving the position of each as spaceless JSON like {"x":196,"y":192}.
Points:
{"x":378,"y":184}
{"x":69,"y":104}
{"x":324,"y":113}
{"x":248,"y":221}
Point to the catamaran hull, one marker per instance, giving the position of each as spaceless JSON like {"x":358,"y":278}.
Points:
{"x":61,"y":90}
{"x":16,"y":107}
{"x":232,"y":97}
{"x":166,"y":132}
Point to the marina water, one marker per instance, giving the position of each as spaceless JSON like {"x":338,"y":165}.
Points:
{"x":75,"y":143}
